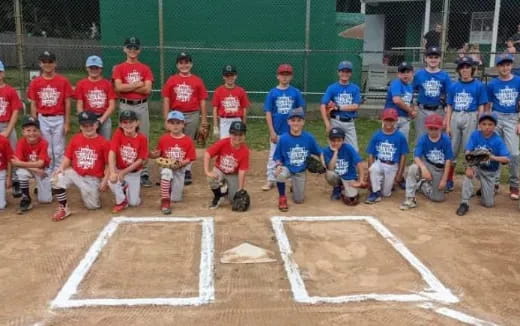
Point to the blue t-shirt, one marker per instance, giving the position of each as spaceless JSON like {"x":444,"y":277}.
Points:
{"x":343,"y":95}
{"x":434,"y":152}
{"x":346,"y":163}
{"x":431,"y":86}
{"x":494,"y":144}
{"x":279,"y":102}
{"x":467,"y":96}
{"x":504,"y":94}
{"x":292,"y":151}
{"x":401,"y":89}
{"x":388,"y":148}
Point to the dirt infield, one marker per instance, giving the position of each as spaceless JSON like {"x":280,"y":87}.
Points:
{"x":475,"y":256}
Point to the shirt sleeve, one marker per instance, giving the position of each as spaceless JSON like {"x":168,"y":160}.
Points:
{"x":403,"y":148}
{"x":214,"y":149}
{"x":148,"y":75}
{"x":447,"y":83}
{"x":483,"y":95}
{"x":78,"y":92}
{"x":356,"y":158}
{"x":111,"y":93}
{"x":357,"y":95}
{"x":315,"y":147}
{"x":191,"y":154}
{"x":69,"y":92}
{"x":268,"y":104}
{"x":371,"y":148}
{"x":116,"y":73}
{"x":299,"y":101}
{"x":395,"y":89}
{"x":18,"y":152}
{"x":203,"y":90}
{"x":244,"y":100}
{"x":115,"y":141}
{"x":325,"y":99}
{"x":502,"y":150}
{"x":448,"y":151}
{"x":471,"y":142}
{"x":419,"y":148}
{"x":167,"y":90}
{"x":216,"y":98}
{"x":277,"y":156}
{"x":143,"y":148}
{"x":244,"y":161}
{"x":31,"y":91}
{"x":451,"y":92}
{"x":70,"y":149}
{"x":15,"y":102}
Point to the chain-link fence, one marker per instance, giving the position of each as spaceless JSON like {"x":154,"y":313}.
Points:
{"x":255,"y":36}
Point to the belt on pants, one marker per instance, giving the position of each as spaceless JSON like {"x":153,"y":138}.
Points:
{"x":133,"y":102}
{"x":430,"y":107}
{"x":50,"y":115}
{"x":342,"y":119}
{"x":437,"y":165}
{"x":387,"y":162}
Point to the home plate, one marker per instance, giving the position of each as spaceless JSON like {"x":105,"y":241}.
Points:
{"x":247,"y":253}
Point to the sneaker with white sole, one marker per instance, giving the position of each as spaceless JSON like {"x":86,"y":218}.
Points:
{"x":268,"y":186}
{"x":61,"y":213}
{"x":408,"y":204}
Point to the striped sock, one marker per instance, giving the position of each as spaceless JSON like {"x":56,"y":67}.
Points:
{"x":61,"y":196}
{"x":165,"y":189}
{"x":24,"y":187}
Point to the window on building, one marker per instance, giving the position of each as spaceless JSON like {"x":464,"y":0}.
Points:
{"x":481,"y":27}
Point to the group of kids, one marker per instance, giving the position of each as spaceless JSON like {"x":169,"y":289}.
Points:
{"x":473,"y":116}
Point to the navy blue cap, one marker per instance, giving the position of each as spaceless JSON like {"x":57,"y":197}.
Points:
{"x":298,"y":112}
{"x":433,"y":50}
{"x":404,"y":66}
{"x":87,"y":117}
{"x":345,"y":65}
{"x":30,"y":121}
{"x":488,"y":116}
{"x":128,"y":115}
{"x":237,"y":126}
{"x":464,"y":61}
{"x":337,"y":133}
{"x":183,"y":56}
{"x":503,"y":58}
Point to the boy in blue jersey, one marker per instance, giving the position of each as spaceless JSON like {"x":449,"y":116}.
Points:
{"x":280,"y":100}
{"x":503,"y":93}
{"x":340,"y":103}
{"x":345,"y":168}
{"x":486,"y":172}
{"x":467,"y":98}
{"x":432,"y":157}
{"x":387,"y":150}
{"x":400,"y":96}
{"x":290,"y":157}
{"x":432,"y":85}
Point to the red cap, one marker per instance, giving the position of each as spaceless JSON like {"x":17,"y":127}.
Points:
{"x":433,"y":121}
{"x":285,"y":68}
{"x":389,"y":114}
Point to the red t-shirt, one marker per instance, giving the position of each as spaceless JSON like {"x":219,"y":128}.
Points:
{"x":95,"y":95}
{"x":50,"y":94}
{"x":88,"y":155}
{"x":128,"y":149}
{"x":9,"y":102}
{"x":6,"y":152}
{"x":33,"y":152}
{"x":185,"y":93}
{"x":177,"y":148}
{"x":229,"y":160}
{"x":130,"y":73}
{"x":230,"y":102}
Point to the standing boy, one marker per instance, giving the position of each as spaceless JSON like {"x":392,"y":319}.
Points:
{"x":6,"y":153}
{"x":399,"y":97}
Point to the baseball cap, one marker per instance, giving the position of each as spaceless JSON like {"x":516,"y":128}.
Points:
{"x":183,"y":56}
{"x":94,"y":61}
{"x":175,"y":115}
{"x":464,"y":61}
{"x":389,"y":114}
{"x":87,"y":117}
{"x":488,"y":116}
{"x":2,"y":68}
{"x":47,"y":56}
{"x":132,"y":41}
{"x":298,"y":112}
{"x":237,"y":126}
{"x":229,"y":70}
{"x":404,"y":66}
{"x":433,"y":50}
{"x":30,"y":121}
{"x":128,"y":115}
{"x":503,"y":58}
{"x":433,"y":121}
{"x":345,"y":65}
{"x":337,"y":133}
{"x":287,"y":68}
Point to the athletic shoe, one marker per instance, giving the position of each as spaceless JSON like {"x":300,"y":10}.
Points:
{"x":449,"y":186}
{"x":282,"y":204}
{"x":463,"y":209}
{"x":408,"y":203}
{"x":268,"y":186}
{"x":187,"y":178}
{"x":166,"y":206}
{"x":373,"y":198}
{"x":61,"y":213}
{"x":119,"y":207}
{"x":25,"y":205}
{"x":217,"y":201}
{"x":145,"y":181}
{"x":513,"y":193}
{"x":17,"y":192}
{"x":336,"y":193}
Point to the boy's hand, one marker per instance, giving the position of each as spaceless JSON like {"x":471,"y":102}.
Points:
{"x":103,"y":185}
{"x":212,"y":175}
{"x":155,"y":153}
{"x":113,"y":177}
{"x":273,"y":137}
{"x":39,"y":172}
{"x":4,"y":133}
{"x":426,"y":174}
{"x":470,"y":173}
{"x":278,"y":170}
{"x":442,"y":184}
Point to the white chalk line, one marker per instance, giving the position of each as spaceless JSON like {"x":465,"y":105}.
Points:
{"x":457,"y":315}
{"x":206,"y":281}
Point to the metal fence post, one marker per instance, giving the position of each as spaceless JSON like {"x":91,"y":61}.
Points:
{"x":161,"y":39}
{"x":445,"y":15}
{"x":307,"y":45}
{"x":494,"y":37}
{"x":19,"y":43}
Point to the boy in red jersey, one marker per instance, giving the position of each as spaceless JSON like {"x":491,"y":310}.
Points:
{"x":6,"y":152}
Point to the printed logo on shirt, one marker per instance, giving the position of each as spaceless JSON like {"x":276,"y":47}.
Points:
{"x":463,"y":101}
{"x":175,"y":153}
{"x":96,"y":98}
{"x":507,"y":96}
{"x":230,"y":104}
{"x":133,"y":77}
{"x":128,"y":154}
{"x":49,"y":96}
{"x":407,"y":98}
{"x":33,"y":157}
{"x":228,"y":163}
{"x":284,"y":104}
{"x":3,"y":106}
{"x":435,"y":156}
{"x":385,"y":151}
{"x":341,"y":166}
{"x":432,"y":87}
{"x":297,"y":155}
{"x":86,"y":157}
{"x":183,"y":92}
{"x":343,"y":99}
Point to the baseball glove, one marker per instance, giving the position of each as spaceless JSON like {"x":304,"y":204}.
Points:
{"x":477,"y":156}
{"x":314,"y":165}
{"x":350,"y":201}
{"x":241,"y":201}
{"x":168,"y":163}
{"x":202,"y":134}
{"x":331,"y":106}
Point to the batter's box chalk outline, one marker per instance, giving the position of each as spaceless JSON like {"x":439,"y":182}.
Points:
{"x":435,"y":291}
{"x":206,"y":276}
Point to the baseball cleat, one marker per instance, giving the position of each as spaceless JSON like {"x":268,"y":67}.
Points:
{"x":166,"y":206}
{"x":282,"y":204}
{"x":61,"y":213}
{"x":336,"y":193}
{"x":408,"y":203}
{"x":463,"y":209}
{"x":216,"y":202}
{"x":17,"y":192}
{"x":145,"y":181}
{"x":449,"y":186}
{"x":268,"y":186}
{"x":373,"y":198}
{"x":188,"y":180}
{"x":119,"y":207}
{"x":513,"y":193}
{"x":25,"y":205}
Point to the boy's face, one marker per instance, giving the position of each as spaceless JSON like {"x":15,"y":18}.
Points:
{"x":88,"y":129}
{"x":284,"y":78}
{"x":48,"y":66}
{"x":509,"y":43}
{"x":487,"y":127}
{"x":184,"y":66}
{"x":237,"y":138}
{"x":406,"y":76}
{"x":433,"y":61}
{"x":94,"y":71}
{"x":335,"y":143}
{"x":175,"y":126}
{"x":389,"y":124}
{"x":129,"y":126}
{"x":466,"y":72}
{"x":433,"y":132}
{"x":504,"y":69}
{"x":230,"y":79}
{"x":31,"y":133}
{"x":131,"y":51}
{"x":345,"y":75}
{"x":296,"y":123}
